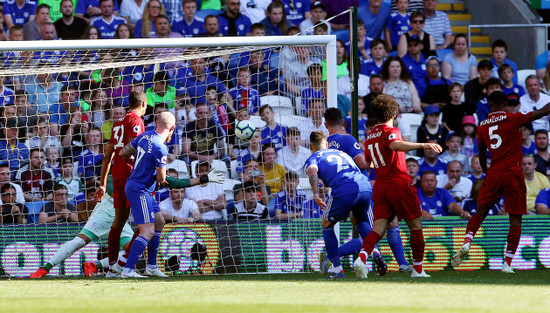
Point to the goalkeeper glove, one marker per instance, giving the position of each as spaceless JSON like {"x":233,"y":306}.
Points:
{"x":213,"y":177}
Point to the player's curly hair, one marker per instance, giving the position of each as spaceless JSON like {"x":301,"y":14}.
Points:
{"x":384,"y":108}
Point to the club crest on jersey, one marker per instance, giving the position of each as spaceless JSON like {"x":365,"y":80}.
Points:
{"x":163,"y":159}
{"x":392,"y":137}
{"x":137,"y":129}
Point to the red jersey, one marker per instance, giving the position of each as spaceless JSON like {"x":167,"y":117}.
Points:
{"x":501,"y":135}
{"x":130,"y":126}
{"x":389,"y":166}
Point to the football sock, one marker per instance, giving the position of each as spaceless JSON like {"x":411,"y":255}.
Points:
{"x":363,"y":228}
{"x":129,"y":246}
{"x":113,"y":245}
{"x":350,"y":247}
{"x":473,"y":226}
{"x":370,"y":241}
{"x":152,"y":249}
{"x":514,"y":234}
{"x":331,"y":245}
{"x":138,"y":247}
{"x":417,"y":247}
{"x":396,"y":245}
{"x":66,"y":250}
{"x":103,"y":263}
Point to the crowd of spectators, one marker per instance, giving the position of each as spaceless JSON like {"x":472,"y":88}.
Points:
{"x":54,"y":125}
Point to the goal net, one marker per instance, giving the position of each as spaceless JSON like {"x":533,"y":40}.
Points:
{"x":61,"y":98}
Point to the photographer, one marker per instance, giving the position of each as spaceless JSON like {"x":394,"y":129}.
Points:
{"x":252,"y":173}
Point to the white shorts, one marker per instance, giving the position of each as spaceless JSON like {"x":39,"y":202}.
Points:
{"x":100,"y":222}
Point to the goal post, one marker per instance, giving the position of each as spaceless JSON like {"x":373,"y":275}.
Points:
{"x":269,"y":245}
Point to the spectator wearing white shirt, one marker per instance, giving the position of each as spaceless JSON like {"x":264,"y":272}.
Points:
{"x":459,"y":187}
{"x":318,"y":12}
{"x":209,"y":197}
{"x":315,"y":121}
{"x":254,"y":9}
{"x":293,"y":156}
{"x":177,"y":209}
{"x":534,"y":100}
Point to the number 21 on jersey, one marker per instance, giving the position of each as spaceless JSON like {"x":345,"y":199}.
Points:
{"x":376,"y":158}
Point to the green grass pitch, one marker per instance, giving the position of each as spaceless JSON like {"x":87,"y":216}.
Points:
{"x":480,"y":291}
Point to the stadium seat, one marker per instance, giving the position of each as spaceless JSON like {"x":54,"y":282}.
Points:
{"x":202,"y":14}
{"x":228,"y":185}
{"x":522,"y":75}
{"x":180,"y":166}
{"x":218,"y":165}
{"x":304,"y":186}
{"x":34,"y":211}
{"x":414,"y":120}
{"x":341,"y":34}
{"x":233,"y":166}
{"x":290,"y":120}
{"x":257,"y":121}
{"x":281,"y":105}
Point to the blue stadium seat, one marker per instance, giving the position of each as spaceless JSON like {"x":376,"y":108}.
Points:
{"x":34,"y":210}
{"x":202,"y":14}
{"x":341,"y":34}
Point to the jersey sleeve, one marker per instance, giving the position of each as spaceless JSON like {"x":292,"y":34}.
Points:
{"x":136,"y":127}
{"x":521,"y":118}
{"x":542,"y":198}
{"x":353,"y":147}
{"x":394,"y":135}
{"x":311,"y":161}
{"x":160,"y":155}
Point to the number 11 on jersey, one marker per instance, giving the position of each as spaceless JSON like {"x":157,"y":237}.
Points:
{"x":374,"y":157}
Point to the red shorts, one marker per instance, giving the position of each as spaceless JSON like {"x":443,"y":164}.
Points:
{"x":119,"y":195}
{"x":401,"y":201}
{"x":509,"y":184}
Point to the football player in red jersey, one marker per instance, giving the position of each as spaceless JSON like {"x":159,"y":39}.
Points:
{"x":500,"y":134}
{"x":385,"y":150}
{"x":124,"y":131}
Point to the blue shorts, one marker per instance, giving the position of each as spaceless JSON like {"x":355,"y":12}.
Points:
{"x":339,"y":207}
{"x":143,"y":208}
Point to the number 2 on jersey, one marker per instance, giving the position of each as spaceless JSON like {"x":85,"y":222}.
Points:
{"x":373,"y":156}
{"x":493,"y":136}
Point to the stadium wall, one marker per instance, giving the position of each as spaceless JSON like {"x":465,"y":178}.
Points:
{"x":279,"y":247}
{"x":524,"y":44}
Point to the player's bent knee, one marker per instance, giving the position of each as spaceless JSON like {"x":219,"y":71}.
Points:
{"x":327,"y":224}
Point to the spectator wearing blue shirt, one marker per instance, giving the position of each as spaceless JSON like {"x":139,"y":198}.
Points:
{"x":275,"y":22}
{"x":373,"y":65}
{"x":91,"y":159}
{"x":232,"y":22}
{"x":174,"y":143}
{"x":500,"y":52}
{"x":482,"y":106}
{"x":398,"y":24}
{"x":188,"y":25}
{"x":19,"y":12}
{"x":145,"y":27}
{"x":272,"y":132}
{"x":6,"y":93}
{"x":59,"y":112}
{"x":289,"y":202}
{"x":13,"y":151}
{"x":542,"y":203}
{"x":435,"y":88}
{"x":375,"y":15}
{"x":315,"y":90}
{"x":415,"y":62}
{"x":245,"y":96}
{"x":296,"y":10}
{"x":263,"y":77}
{"x":196,"y":83}
{"x":476,"y":170}
{"x":89,"y":9}
{"x":107,"y":22}
{"x":435,"y":201}
{"x":507,"y":75}
{"x":252,"y":152}
{"x":432,"y":162}
{"x":528,"y":145}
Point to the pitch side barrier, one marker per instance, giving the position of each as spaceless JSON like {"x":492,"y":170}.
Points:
{"x":273,"y":247}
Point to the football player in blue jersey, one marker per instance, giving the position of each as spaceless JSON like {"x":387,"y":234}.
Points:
{"x":351,"y":192}
{"x":337,"y":139}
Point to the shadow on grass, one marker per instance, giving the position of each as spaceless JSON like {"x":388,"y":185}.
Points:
{"x":482,"y":277}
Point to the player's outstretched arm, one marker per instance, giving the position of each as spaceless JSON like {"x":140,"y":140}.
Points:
{"x":542,"y":112}
{"x":408,"y":146}
{"x":105,"y":168}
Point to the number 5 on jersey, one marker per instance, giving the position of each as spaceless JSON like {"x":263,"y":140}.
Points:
{"x":493,"y":136}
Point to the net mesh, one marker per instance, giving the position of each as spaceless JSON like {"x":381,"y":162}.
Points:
{"x":58,"y":111}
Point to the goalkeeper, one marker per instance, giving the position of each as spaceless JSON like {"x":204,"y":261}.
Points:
{"x":99,"y":224}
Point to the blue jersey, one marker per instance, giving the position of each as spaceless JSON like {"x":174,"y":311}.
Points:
{"x":398,"y":25}
{"x":532,"y":149}
{"x":440,"y":167}
{"x":188,"y":30}
{"x":6,"y":96}
{"x":473,"y":178}
{"x":296,"y":10}
{"x":89,"y":164}
{"x":151,"y":153}
{"x":83,"y":5}
{"x":197,"y":89}
{"x":361,"y":128}
{"x":245,"y":97}
{"x":276,"y":136}
{"x":369,"y":67}
{"x":519,"y":90}
{"x":338,"y":171}
{"x":20,"y":16}
{"x":437,"y":205}
{"x":107,"y":30}
{"x":174,"y":140}
{"x":284,"y":203}
{"x":242,"y":22}
{"x":307,"y":94}
{"x":344,"y":143}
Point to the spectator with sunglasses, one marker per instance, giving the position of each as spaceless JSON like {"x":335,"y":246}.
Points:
{"x":417,"y":20}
